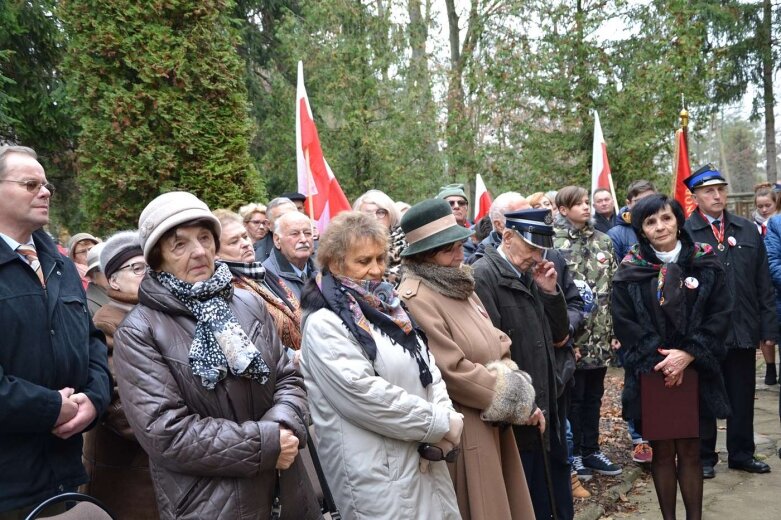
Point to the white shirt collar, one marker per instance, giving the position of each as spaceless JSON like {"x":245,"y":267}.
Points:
{"x":501,"y":253}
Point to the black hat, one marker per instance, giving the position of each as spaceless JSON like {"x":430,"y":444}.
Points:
{"x":707,"y":175}
{"x":535,"y":226}
{"x":430,"y":224}
{"x":294,"y":196}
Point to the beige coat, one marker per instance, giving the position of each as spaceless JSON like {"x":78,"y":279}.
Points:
{"x":488,"y":476}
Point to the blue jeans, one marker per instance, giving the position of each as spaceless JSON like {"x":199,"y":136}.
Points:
{"x":636,"y":437}
{"x":570,"y":444}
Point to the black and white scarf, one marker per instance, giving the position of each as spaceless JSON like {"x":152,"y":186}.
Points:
{"x":253,"y":270}
{"x":219,"y":343}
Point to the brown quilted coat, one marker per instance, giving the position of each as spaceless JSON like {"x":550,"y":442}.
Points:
{"x":212,"y":453}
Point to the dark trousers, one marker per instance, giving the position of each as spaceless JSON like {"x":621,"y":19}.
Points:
{"x":739,"y":370}
{"x":534,"y":469}
{"x":586,"y":401}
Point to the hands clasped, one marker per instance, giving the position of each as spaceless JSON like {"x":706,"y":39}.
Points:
{"x":76,"y":413}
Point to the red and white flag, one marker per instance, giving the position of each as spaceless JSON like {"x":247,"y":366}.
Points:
{"x":682,"y":170}
{"x":600,"y":167}
{"x":482,"y":199}
{"x":325,"y":198}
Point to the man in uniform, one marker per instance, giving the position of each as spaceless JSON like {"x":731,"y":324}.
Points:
{"x":742,"y":252}
{"x":520,"y":293}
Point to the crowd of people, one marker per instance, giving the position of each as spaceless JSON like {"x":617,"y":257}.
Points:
{"x":406,"y":363}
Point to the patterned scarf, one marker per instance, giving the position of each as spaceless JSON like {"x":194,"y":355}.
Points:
{"x":363,"y":303}
{"x":634,"y":258}
{"x":219,"y":343}
{"x":286,"y":315}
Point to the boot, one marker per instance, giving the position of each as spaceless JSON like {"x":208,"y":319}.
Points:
{"x":578,"y":491}
{"x":770,"y":374}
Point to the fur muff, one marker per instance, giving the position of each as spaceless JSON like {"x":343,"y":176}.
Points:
{"x":514,"y":399}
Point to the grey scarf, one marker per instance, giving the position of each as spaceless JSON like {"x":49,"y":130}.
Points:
{"x":219,"y":343}
{"x":453,"y":282}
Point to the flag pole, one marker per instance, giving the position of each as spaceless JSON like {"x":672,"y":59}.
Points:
{"x":309,"y":199}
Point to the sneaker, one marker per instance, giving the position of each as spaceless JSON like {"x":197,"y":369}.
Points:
{"x":642,"y":453}
{"x":601,"y":464}
{"x":578,"y":491}
{"x":583,"y":472}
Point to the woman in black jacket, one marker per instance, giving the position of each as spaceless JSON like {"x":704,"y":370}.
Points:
{"x":670,"y":315}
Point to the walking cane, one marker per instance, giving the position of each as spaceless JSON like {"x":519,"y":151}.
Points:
{"x":548,"y":479}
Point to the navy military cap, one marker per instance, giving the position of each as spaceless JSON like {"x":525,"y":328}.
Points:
{"x":535,"y":226}
{"x":707,"y":175}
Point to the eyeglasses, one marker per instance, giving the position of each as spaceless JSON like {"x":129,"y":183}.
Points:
{"x":257,"y":222}
{"x":378,"y":214}
{"x":138,"y":268}
{"x":33,"y":186}
{"x":81,"y":251}
{"x":458,"y":203}
{"x":435,"y":453}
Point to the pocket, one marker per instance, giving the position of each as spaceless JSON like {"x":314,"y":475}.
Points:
{"x":72,"y":319}
{"x":188,"y":497}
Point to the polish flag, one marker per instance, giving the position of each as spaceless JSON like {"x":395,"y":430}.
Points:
{"x":325,"y":198}
{"x":482,"y":199}
{"x":600,"y":167}
{"x":682,"y":170}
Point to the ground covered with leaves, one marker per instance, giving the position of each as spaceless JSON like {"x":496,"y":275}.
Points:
{"x":615,"y":443}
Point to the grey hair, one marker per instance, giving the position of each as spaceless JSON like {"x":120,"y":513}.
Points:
{"x":382,"y":200}
{"x":275,"y":203}
{"x":6,"y":149}
{"x":278,"y":222}
{"x":501,"y":205}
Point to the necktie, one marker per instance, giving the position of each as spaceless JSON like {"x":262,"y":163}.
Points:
{"x":717,"y":223}
{"x":29,"y":253}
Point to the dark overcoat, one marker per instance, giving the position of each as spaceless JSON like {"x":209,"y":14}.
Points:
{"x":48,"y":343}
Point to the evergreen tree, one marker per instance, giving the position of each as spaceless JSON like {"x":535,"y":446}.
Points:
{"x":33,"y":108}
{"x":159,"y":91}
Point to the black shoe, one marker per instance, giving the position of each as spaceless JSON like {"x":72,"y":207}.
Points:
{"x":751,"y":466}
{"x":708,"y":472}
{"x":770,"y":375}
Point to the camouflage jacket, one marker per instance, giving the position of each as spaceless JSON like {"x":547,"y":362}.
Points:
{"x":397,"y":245}
{"x":589,"y":256}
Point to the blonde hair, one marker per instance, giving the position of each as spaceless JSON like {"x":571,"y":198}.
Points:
{"x":250,"y":209}
{"x":343,"y":231}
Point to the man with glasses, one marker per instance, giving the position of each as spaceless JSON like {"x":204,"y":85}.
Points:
{"x":54,"y":378}
{"x":459,"y":204}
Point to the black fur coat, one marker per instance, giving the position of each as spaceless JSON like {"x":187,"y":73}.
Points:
{"x":696,"y":321}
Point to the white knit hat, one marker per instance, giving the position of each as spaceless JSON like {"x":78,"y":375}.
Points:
{"x":168,"y":211}
{"x":93,"y":257}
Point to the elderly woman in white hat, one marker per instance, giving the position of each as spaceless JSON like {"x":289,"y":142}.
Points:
{"x":205,"y":382}
{"x":474,"y":359}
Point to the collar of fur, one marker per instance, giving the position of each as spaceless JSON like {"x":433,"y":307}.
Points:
{"x":453,"y":282}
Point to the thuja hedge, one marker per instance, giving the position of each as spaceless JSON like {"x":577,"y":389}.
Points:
{"x":158,"y":90}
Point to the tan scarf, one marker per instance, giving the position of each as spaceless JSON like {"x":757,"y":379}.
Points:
{"x":288,"y":322}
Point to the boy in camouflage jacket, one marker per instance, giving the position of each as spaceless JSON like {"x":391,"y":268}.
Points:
{"x":589,"y":255}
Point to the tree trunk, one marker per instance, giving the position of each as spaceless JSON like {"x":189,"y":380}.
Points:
{"x":767,"y":91}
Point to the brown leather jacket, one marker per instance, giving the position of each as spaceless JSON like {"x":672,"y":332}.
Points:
{"x":212,"y":452}
{"x":117,"y":465}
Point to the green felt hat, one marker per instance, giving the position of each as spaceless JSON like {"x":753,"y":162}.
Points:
{"x":429,"y":225}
